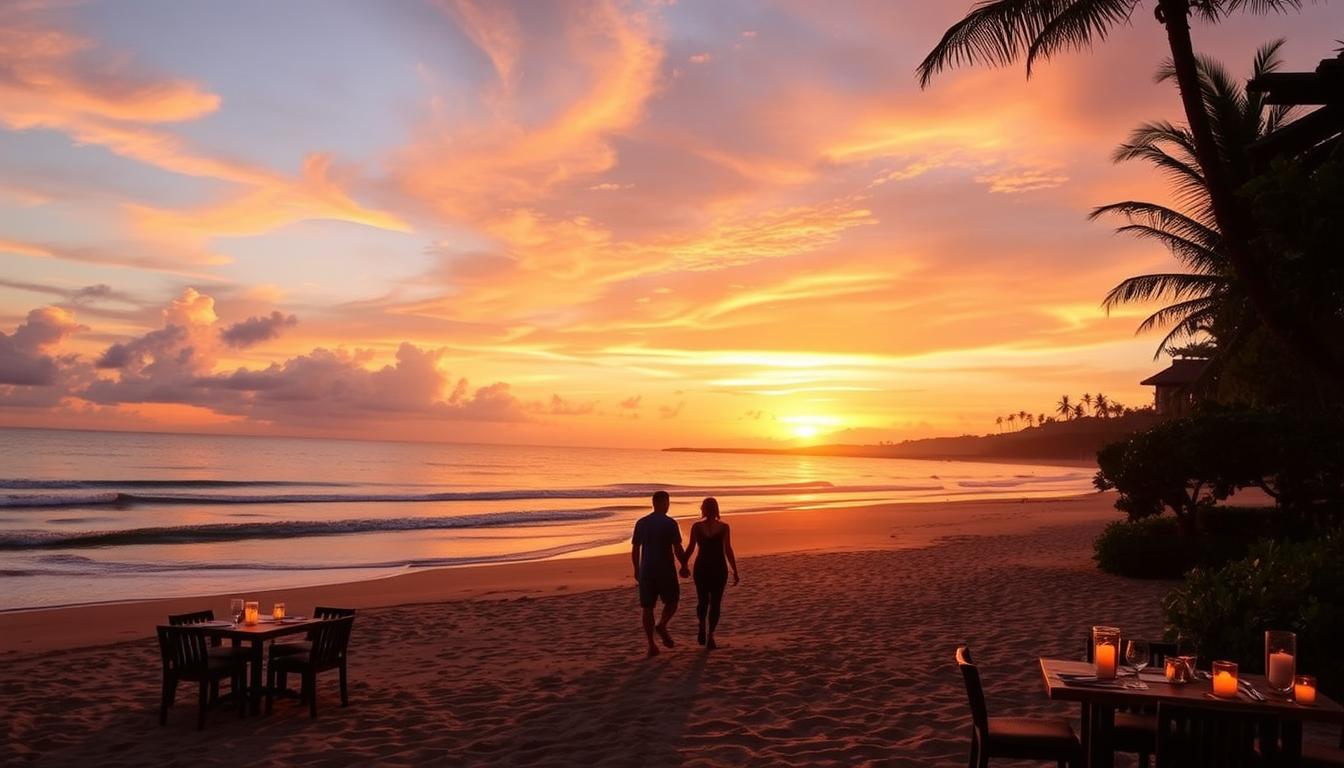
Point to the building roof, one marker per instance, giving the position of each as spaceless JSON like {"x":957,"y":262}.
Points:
{"x":1181,"y":373}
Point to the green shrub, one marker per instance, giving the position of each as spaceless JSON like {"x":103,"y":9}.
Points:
{"x":1223,"y":613}
{"x":1148,"y":548}
{"x":1152,"y":547}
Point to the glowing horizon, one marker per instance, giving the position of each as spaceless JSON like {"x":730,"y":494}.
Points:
{"x":610,"y":223}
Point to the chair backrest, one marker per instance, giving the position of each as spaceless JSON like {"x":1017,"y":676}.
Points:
{"x":1197,"y":737}
{"x":183,"y":648}
{"x":325,"y":612}
{"x":331,"y":638}
{"x":196,"y":617}
{"x":975,"y":692}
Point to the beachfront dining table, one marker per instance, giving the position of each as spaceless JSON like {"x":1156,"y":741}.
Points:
{"x":1099,"y":703}
{"x":257,"y":635}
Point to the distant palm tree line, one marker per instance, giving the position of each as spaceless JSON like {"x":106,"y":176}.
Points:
{"x":1099,"y":406}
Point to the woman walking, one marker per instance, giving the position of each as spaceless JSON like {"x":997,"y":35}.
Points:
{"x":712,"y":537}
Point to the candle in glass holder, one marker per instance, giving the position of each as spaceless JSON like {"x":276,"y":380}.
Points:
{"x":1304,"y":689}
{"x":278,"y":611}
{"x":1225,"y":679}
{"x":1280,"y":659}
{"x":250,"y":611}
{"x":1105,"y":651}
{"x":1177,"y":669}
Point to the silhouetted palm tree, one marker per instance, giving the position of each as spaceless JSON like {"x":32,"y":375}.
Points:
{"x":1087,"y":400}
{"x":999,"y":32}
{"x":1078,"y":411}
{"x":1027,"y":418}
{"x":1064,"y":407}
{"x":999,"y":421}
{"x":1023,"y":416}
{"x":1012,"y":417}
{"x":1101,"y":406}
{"x":1040,"y":419}
{"x":1208,"y":299}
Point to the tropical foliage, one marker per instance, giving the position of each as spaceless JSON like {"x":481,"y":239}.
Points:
{"x":1207,"y":304}
{"x":1000,"y":32}
{"x":1222,"y":613}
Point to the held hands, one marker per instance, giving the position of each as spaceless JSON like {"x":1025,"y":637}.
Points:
{"x":685,"y":572}
{"x":736,"y":580}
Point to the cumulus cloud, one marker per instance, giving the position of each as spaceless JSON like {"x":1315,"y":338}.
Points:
{"x":178,"y":364}
{"x":27,"y":356}
{"x":255,"y":330}
{"x":336,"y":384}
{"x":671,"y":411}
{"x":631,"y":403}
{"x":561,"y":407}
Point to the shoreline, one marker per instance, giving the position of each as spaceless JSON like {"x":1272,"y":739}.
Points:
{"x":890,"y":526}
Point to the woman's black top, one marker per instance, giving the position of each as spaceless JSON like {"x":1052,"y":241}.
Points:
{"x":710,"y":564}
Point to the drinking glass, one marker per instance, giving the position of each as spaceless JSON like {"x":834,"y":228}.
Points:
{"x":236,"y":608}
{"x":1136,"y":653}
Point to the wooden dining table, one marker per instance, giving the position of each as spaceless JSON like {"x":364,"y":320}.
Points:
{"x":1099,"y":703}
{"x":257,"y":635}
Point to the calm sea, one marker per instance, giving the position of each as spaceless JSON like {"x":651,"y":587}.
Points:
{"x":100,"y":516}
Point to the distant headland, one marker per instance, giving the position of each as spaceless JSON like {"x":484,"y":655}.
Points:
{"x":1075,"y":440}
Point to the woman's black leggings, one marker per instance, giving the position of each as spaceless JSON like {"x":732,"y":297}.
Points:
{"x":709,"y":596}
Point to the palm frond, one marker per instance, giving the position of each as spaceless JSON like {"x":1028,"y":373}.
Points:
{"x":1190,"y":254}
{"x":1178,"y":286}
{"x":1163,"y":218}
{"x":1191,"y":312}
{"x":999,"y":32}
{"x":1260,"y":7}
{"x":1187,"y":329}
{"x":1078,"y":26}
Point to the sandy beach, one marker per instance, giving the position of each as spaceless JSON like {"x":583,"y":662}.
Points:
{"x":836,"y":649}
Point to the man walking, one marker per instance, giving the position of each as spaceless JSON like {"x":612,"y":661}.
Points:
{"x":655,"y":551}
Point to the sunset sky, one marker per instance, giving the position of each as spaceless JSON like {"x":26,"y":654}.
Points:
{"x":690,"y":223}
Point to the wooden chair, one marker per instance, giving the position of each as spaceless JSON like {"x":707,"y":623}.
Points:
{"x":1014,"y":737}
{"x":331,"y":640}
{"x":1194,"y":737}
{"x":186,"y":657}
{"x":1135,"y":730}
{"x":303,"y":646}
{"x":216,"y":649}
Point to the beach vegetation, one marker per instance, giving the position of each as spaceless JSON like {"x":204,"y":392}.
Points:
{"x":1299,"y":586}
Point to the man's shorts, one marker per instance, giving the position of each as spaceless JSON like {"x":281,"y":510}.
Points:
{"x":665,"y":587}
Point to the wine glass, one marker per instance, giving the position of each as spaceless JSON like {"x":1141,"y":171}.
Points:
{"x":1136,"y":654}
{"x":236,"y":608}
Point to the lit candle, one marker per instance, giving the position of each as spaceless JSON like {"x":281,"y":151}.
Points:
{"x":1173,"y":670}
{"x":278,"y":612}
{"x":1225,"y":679}
{"x":1304,"y":689}
{"x":1280,"y":670}
{"x":250,"y":612}
{"x":1105,"y":658}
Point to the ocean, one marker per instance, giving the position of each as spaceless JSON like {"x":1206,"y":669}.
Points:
{"x":90,"y":517}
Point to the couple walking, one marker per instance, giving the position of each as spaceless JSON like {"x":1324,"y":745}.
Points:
{"x":655,"y":553}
